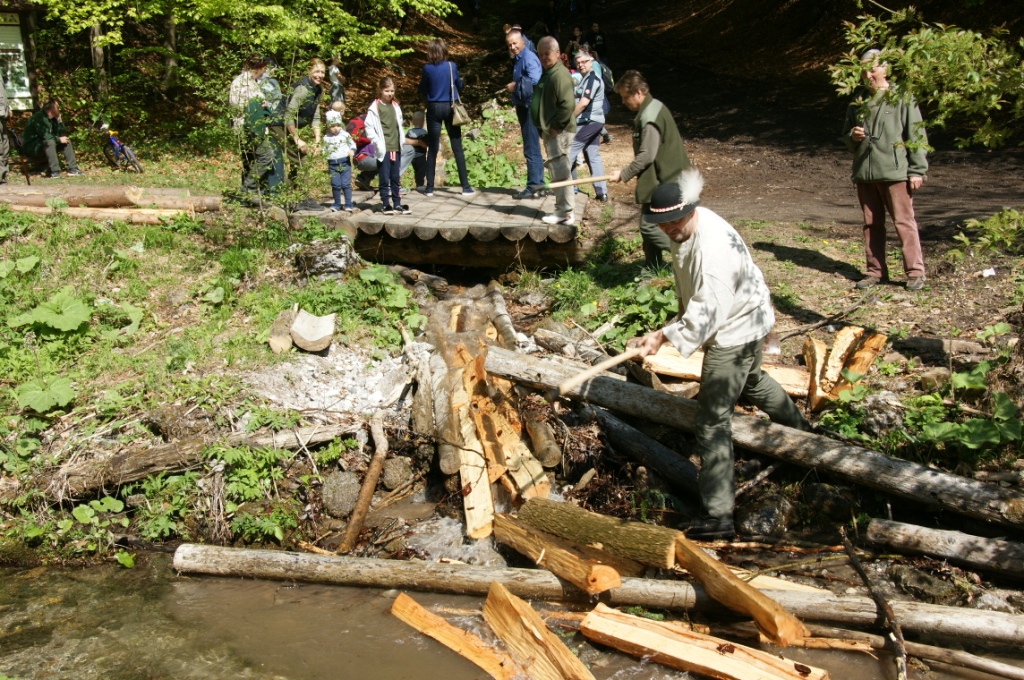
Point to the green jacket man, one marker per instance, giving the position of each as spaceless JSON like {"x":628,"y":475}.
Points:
{"x":45,"y":135}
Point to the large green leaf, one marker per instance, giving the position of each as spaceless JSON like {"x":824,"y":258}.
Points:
{"x":63,"y":311}
{"x":43,"y":394}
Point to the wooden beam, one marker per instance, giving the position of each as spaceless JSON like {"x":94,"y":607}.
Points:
{"x":645,"y":543}
{"x":539,"y":651}
{"x":497,"y":664}
{"x":720,"y":583}
{"x":688,"y":651}
{"x":556,"y":555}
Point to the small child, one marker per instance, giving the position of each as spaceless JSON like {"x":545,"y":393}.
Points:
{"x":339,"y":148}
{"x":414,"y":151}
{"x":384,"y":127}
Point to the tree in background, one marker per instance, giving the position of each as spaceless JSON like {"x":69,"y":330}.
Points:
{"x":960,"y":77}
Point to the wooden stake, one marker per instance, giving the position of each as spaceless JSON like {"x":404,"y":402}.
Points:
{"x":571,"y":182}
{"x":498,"y":665}
{"x":539,"y":651}
{"x":598,"y":369}
{"x":355,"y":522}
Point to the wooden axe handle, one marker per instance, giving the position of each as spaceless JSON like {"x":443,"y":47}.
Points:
{"x":570,"y":182}
{"x":597,"y":369}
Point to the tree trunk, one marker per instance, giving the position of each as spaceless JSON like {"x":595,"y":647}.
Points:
{"x":98,"y":60}
{"x":973,"y":552}
{"x":964,"y":624}
{"x":170,"y":52}
{"x":891,"y":475}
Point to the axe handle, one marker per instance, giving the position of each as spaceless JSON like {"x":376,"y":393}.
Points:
{"x":597,"y":369}
{"x":570,"y":182}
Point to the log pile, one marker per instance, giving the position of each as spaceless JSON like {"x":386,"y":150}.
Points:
{"x":137,"y":205}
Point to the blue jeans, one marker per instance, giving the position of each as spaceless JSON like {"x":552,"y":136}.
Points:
{"x":437,"y":113}
{"x":388,"y":176}
{"x":341,"y":180}
{"x":531,"y":148}
{"x":588,"y":140}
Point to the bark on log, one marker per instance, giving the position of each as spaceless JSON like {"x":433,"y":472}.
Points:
{"x":139,"y":193}
{"x":645,"y":543}
{"x":556,"y":555}
{"x":130,"y":215}
{"x":780,"y":626}
{"x":280,"y":339}
{"x":556,"y":342}
{"x":436,"y":284}
{"x":74,"y":196}
{"x":545,"y":448}
{"x":77,"y":479}
{"x":495,"y":663}
{"x":677,"y":470}
{"x":973,"y":552}
{"x":891,"y":475}
{"x":380,"y":453}
{"x":501,"y":320}
{"x":444,"y":426}
{"x":964,"y":624}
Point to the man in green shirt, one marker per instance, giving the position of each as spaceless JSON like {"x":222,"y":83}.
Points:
{"x":659,"y":157}
{"x":551,"y":110}
{"x":45,"y":135}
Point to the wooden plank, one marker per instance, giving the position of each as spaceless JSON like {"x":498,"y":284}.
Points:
{"x":476,"y":487}
{"x":474,"y":381}
{"x":685,"y":650}
{"x":779,"y":625}
{"x":860,"y":360}
{"x":846,"y":338}
{"x":645,"y":543}
{"x":814,"y":356}
{"x":497,"y":664}
{"x":668,"y":361}
{"x":556,"y":555}
{"x":539,"y":651}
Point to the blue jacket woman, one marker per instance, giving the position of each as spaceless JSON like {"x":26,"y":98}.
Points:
{"x":440,"y":85}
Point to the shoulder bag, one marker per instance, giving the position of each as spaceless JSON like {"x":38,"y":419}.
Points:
{"x":460,"y":116}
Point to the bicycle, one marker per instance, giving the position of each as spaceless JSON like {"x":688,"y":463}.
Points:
{"x":118,"y":154}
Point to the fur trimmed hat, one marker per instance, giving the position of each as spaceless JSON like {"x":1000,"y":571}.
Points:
{"x":675,"y":200}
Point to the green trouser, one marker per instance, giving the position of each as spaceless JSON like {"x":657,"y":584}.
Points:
{"x":655,"y":241}
{"x":729,"y":373}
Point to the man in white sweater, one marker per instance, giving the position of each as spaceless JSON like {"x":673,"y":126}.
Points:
{"x":725,"y":309}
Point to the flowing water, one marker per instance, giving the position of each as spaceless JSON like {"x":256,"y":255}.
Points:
{"x":148,"y":623}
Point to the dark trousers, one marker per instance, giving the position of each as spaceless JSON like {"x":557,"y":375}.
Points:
{"x":341,"y":180}
{"x":437,"y":113}
{"x":531,"y":147}
{"x":50,"y":149}
{"x":266,"y":171}
{"x":291,"y":150}
{"x":877,"y":198}
{"x":5,"y":150}
{"x":388,"y":176}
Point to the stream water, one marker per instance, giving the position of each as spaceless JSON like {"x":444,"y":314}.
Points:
{"x":148,"y":623}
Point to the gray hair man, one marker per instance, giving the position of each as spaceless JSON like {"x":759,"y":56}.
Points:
{"x":552,"y":112}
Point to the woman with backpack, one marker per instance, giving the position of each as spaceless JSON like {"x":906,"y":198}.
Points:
{"x":440,"y":85}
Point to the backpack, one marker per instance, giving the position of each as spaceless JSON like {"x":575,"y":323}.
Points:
{"x":609,"y":87}
{"x":357,"y":129}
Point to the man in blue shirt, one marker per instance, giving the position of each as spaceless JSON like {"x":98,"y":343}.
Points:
{"x":526,"y":71}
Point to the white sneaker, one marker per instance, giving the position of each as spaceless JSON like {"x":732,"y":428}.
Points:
{"x":569,"y":219}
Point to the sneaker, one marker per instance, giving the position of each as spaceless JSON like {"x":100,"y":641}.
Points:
{"x":49,"y":176}
{"x":868,"y":282}
{"x":388,"y":210}
{"x":428,"y":193}
{"x":569,"y":219}
{"x":403,"y":191}
{"x":404,"y":209}
{"x":606,"y":138}
{"x":603,"y":198}
{"x":528,"y":193}
{"x":335,"y":208}
{"x":707,"y":528}
{"x":350,"y":209}
{"x":75,"y":173}
{"x":916,"y":282}
{"x":421,"y":189}
{"x":468,"y":192}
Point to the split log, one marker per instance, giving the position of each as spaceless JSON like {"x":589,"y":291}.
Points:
{"x":781,"y":627}
{"x":545,"y":448}
{"x":423,"y":408}
{"x":129,"y":215}
{"x":842,"y":346}
{"x":540,"y":653}
{"x":676,"y":469}
{"x":685,"y":650}
{"x":902,"y":478}
{"x":75,"y":480}
{"x":444,"y":424}
{"x":815,"y":353}
{"x":500,"y":318}
{"x":965,"y":625}
{"x":380,"y":453}
{"x":556,"y":342}
{"x":973,"y":552}
{"x":668,"y":361}
{"x":497,"y":664}
{"x":860,"y":360}
{"x":477,"y":502}
{"x":645,"y":543}
{"x":482,"y":410}
{"x":280,"y":339}
{"x":313,"y":333}
{"x":556,"y":555}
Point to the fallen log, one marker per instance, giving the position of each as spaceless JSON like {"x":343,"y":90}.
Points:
{"x":685,"y":650}
{"x":129,"y":215}
{"x":497,"y":664}
{"x":676,"y":469}
{"x":500,"y":318}
{"x":539,"y":651}
{"x":963,"y":624}
{"x":436,"y":284}
{"x":902,"y":478}
{"x":556,"y":555}
{"x":380,"y":453}
{"x":74,"y":196}
{"x":74,"y":480}
{"x":280,"y":339}
{"x":190,"y":204}
{"x":477,"y":502}
{"x":721,"y":583}
{"x":445,"y":430}
{"x":545,"y":448}
{"x":645,"y":543}
{"x":973,"y":552}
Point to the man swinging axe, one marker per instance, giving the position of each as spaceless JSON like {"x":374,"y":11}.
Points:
{"x":725,"y":309}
